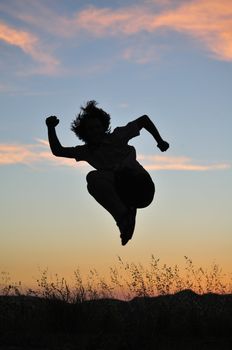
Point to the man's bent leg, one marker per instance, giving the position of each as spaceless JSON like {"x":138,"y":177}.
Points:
{"x":101,"y":186}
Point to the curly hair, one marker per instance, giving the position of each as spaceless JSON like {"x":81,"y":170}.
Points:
{"x":90,"y":111}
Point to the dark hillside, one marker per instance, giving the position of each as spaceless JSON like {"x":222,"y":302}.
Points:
{"x":184,"y":320}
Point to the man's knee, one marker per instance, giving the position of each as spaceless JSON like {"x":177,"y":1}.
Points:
{"x":91,"y":178}
{"x":98,"y":179}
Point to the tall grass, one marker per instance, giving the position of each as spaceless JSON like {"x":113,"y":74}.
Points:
{"x":125,"y":281}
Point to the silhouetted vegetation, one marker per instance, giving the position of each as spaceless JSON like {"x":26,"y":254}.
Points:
{"x":158,"y":307}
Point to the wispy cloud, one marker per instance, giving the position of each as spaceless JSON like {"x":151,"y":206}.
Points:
{"x":30,"y":154}
{"x":39,"y":16}
{"x":209,"y":21}
{"x":39,"y":152}
{"x":178,"y":163}
{"x":142,"y":53}
{"x":31,"y":45}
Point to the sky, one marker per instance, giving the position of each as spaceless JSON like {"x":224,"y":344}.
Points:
{"x":171,"y":60}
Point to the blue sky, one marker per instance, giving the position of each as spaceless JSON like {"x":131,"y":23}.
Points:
{"x":168,"y":59}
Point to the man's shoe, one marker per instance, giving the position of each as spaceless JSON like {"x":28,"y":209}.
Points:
{"x":127,"y":225}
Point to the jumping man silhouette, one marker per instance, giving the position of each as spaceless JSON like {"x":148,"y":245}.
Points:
{"x":119,"y":183}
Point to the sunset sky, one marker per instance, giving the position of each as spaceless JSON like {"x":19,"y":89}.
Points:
{"x":169,"y":59}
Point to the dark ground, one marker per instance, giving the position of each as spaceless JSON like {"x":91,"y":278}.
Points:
{"x":184,"y":320}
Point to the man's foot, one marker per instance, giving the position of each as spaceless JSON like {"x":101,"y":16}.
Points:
{"x":127,"y":225}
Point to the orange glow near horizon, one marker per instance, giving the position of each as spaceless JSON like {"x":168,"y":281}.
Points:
{"x":130,"y":279}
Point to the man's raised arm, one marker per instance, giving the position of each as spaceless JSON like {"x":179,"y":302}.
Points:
{"x":55,"y":145}
{"x":146,"y":123}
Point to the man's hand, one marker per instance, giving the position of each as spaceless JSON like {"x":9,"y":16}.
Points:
{"x":163,"y":146}
{"x":52,"y":121}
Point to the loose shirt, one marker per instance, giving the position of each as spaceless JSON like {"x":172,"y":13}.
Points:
{"x":113,"y":153}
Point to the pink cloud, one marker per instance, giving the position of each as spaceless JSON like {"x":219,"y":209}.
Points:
{"x":105,"y":21}
{"x":30,"y":154}
{"x":38,"y":15}
{"x":178,"y":163}
{"x":209,"y":21}
{"x":31,"y":45}
{"x":39,"y":153}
